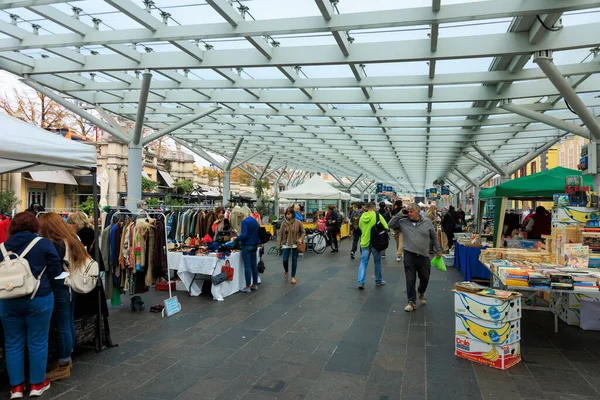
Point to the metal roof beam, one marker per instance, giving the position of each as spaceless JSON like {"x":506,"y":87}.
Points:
{"x":392,"y":113}
{"x":262,"y":174}
{"x":547,"y":119}
{"x":183,"y":122}
{"x":544,"y":61}
{"x":494,"y":164}
{"x":573,"y":37}
{"x":198,"y":151}
{"x":240,"y":163}
{"x":73,"y":108}
{"x":532,"y":155}
{"x":320,"y":97}
{"x":233,"y":81}
{"x":302,"y":25}
{"x":139,"y":121}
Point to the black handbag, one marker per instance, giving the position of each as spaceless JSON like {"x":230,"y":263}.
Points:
{"x":261,"y":267}
{"x":218,"y":279}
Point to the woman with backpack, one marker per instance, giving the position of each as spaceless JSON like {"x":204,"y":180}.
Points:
{"x":53,"y":227}
{"x":26,"y":318}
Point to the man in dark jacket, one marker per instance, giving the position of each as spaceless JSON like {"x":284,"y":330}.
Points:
{"x":334,"y":224}
{"x":450,"y":225}
{"x":356,"y":232}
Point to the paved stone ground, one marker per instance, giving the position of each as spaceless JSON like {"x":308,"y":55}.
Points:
{"x":324,"y":339}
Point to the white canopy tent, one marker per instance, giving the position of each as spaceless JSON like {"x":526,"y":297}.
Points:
{"x":315,"y":189}
{"x":27,"y":148}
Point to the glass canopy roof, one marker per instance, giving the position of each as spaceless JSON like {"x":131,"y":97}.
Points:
{"x":399,"y":92}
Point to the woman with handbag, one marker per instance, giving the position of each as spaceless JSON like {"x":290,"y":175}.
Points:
{"x":66,"y":242}
{"x":26,"y":319}
{"x":290,"y":238}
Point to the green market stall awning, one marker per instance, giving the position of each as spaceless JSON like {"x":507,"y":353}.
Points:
{"x":542,"y":185}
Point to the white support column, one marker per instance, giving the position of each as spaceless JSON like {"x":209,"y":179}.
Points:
{"x":355,"y":181}
{"x":262,"y":174}
{"x":546,"y":119}
{"x":489,"y":159}
{"x":73,"y":108}
{"x":276,"y":191}
{"x":113,"y":187}
{"x":139,"y":120}
{"x":134,"y":176}
{"x":544,"y":60}
{"x":226,"y":186}
{"x":180,"y":124}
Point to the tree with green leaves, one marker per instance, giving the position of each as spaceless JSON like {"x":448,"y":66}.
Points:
{"x":183,"y":186}
{"x":8,"y":201}
{"x":148,"y":185}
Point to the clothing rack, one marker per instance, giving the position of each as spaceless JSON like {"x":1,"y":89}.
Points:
{"x":149,"y":214}
{"x":191,"y":207}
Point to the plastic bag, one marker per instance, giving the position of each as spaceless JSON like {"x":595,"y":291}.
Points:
{"x":438,"y":262}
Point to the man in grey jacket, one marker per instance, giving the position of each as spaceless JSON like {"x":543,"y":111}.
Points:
{"x":417,"y":233}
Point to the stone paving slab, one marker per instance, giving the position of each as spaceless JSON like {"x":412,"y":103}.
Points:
{"x":323,"y":339}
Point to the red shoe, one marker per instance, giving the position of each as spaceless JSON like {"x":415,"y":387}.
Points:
{"x":38,"y":389}
{"x":16,"y":392}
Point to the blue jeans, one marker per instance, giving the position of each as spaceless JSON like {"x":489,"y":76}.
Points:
{"x":250,"y":264}
{"x":286,"y":260}
{"x":64,"y":320}
{"x":364,"y":262}
{"x":26,"y":320}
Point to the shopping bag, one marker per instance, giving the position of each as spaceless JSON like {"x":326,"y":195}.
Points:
{"x":438,"y":262}
{"x":218,"y":279}
{"x":228,"y":269}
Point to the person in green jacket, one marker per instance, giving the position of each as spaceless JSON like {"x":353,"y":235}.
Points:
{"x":367,"y":221}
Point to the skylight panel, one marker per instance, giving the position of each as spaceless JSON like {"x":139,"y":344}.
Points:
{"x":397,"y":69}
{"x":475,"y":28}
{"x":463,"y":65}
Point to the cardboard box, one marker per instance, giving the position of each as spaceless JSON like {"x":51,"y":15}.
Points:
{"x":486,"y":308}
{"x":573,"y":300}
{"x":590,"y":314}
{"x":497,"y":333}
{"x":500,"y":357}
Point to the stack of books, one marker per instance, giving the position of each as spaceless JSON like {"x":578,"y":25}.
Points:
{"x":537,"y":279}
{"x":561,"y":281}
{"x":585,"y":281}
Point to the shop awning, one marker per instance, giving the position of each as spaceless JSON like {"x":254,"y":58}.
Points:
{"x":61,"y":177}
{"x":145,"y":175}
{"x":86,"y":180}
{"x":167,"y":178}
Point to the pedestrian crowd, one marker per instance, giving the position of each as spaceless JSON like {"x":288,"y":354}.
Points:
{"x":48,"y":250}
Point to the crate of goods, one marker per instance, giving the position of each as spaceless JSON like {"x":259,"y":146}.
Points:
{"x":491,"y":332}
{"x":488,"y":325}
{"x":486,"y":308}
{"x":495,"y":356}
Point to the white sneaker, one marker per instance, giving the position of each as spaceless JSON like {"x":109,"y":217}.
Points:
{"x":398,"y":259}
{"x":410,"y":307}
{"x":422,"y":299}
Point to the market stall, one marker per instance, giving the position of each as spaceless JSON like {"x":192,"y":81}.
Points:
{"x":537,"y":187}
{"x":194,"y":269}
{"x":317,"y":189}
{"x":26,"y":148}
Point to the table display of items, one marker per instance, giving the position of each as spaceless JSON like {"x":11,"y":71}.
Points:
{"x":222,"y":261}
{"x":488,"y":325}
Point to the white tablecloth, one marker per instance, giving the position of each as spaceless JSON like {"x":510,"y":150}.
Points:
{"x":188,"y":266}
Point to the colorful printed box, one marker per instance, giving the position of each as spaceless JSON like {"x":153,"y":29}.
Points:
{"x":500,"y":357}
{"x":490,"y":332}
{"x":486,"y":308}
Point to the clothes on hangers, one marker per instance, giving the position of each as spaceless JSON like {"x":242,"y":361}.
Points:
{"x":135,"y":248}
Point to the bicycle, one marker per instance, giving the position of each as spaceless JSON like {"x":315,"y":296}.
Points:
{"x":319,"y":241}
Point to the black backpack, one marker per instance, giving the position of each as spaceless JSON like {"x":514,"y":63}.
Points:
{"x":263,"y":235}
{"x":380,"y":240}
